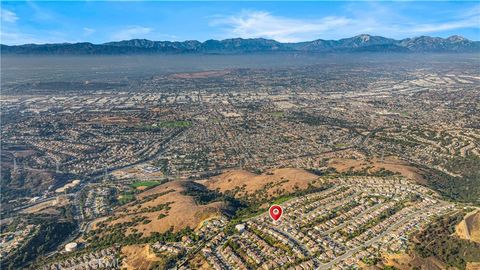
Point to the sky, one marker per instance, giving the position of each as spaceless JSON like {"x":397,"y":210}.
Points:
{"x":103,"y":21}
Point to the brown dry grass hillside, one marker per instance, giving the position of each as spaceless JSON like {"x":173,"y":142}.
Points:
{"x":473,"y":266}
{"x":271,"y":183}
{"x":392,"y":164}
{"x":469,"y":227}
{"x":140,"y":257}
{"x":182,"y":204}
{"x":403,"y":261}
{"x":163,"y":207}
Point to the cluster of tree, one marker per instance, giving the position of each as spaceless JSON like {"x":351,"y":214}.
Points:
{"x":382,"y":172}
{"x":46,"y":239}
{"x":463,"y":189}
{"x":317,"y":120}
{"x":203,"y":195}
{"x":119,"y":237}
{"x":437,"y":240}
{"x":322,"y":172}
{"x":14,"y":184}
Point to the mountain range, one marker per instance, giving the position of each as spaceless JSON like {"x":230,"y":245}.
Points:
{"x":360,"y":43}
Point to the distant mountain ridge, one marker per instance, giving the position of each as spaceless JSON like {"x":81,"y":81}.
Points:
{"x":360,"y":43}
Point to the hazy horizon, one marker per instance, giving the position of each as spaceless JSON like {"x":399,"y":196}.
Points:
{"x":17,"y":68}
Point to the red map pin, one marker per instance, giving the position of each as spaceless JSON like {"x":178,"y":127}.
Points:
{"x":275,"y":212}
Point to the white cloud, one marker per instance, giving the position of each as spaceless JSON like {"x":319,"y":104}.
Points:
{"x":256,"y":24}
{"x":379,"y":20}
{"x":431,"y":28}
{"x":8,"y":16}
{"x":88,"y":31}
{"x":468,"y":19}
{"x":41,"y":14}
{"x":472,"y":12}
{"x":19,"y":38}
{"x":132,"y":32}
{"x":13,"y":35}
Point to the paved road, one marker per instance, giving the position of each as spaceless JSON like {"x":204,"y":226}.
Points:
{"x":42,"y":200}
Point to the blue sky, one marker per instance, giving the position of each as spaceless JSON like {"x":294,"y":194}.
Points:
{"x":98,"y":22}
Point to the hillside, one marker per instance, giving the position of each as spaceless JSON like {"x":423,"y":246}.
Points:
{"x":140,"y":257}
{"x":469,"y":227}
{"x":163,"y":208}
{"x":272,"y":183}
{"x":392,"y":164}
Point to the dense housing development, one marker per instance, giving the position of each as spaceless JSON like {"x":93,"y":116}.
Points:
{"x":373,"y":157}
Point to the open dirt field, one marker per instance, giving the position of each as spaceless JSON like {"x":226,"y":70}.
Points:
{"x":286,"y":179}
{"x":469,"y":227}
{"x":182,"y":210}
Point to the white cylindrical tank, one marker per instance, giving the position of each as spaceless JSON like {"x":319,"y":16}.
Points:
{"x":71,"y":247}
{"x":240,"y":228}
